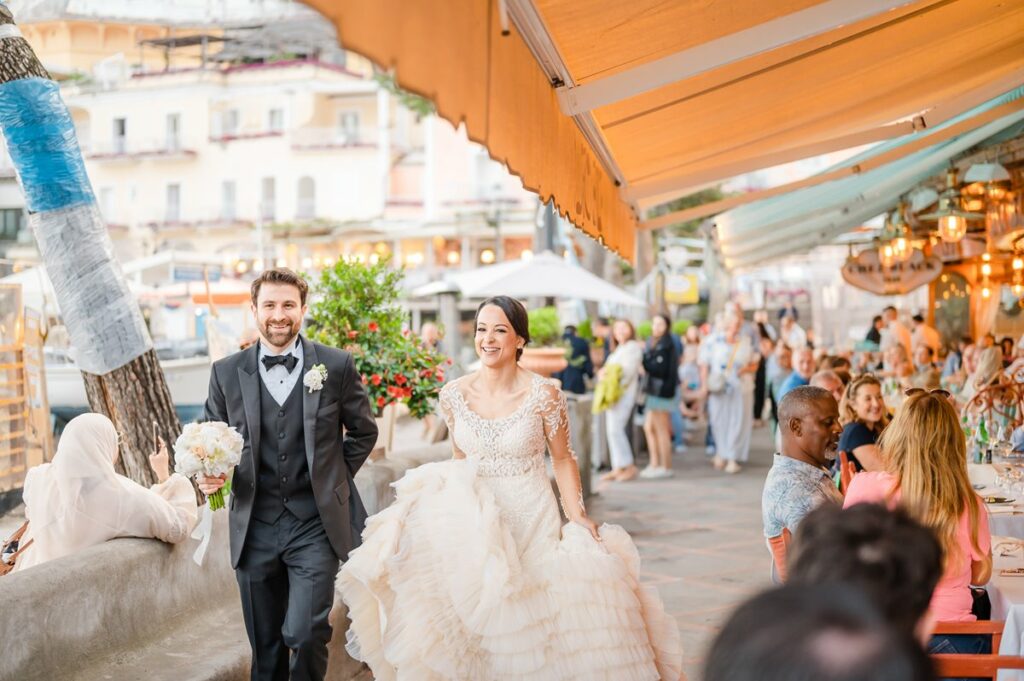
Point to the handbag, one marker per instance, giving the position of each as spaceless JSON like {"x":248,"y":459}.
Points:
{"x":12,"y":548}
{"x":981,"y":605}
{"x":717,"y":382}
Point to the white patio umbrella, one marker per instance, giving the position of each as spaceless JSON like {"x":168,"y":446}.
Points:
{"x":543,"y":275}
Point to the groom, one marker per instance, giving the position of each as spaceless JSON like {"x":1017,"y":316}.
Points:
{"x":294,"y":512}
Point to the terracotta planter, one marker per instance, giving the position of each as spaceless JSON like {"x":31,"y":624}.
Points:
{"x":544,"y":361}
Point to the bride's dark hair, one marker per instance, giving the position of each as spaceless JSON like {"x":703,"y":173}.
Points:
{"x":516,"y":314}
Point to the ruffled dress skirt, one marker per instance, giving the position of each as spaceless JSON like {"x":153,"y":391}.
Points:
{"x":473,"y":578}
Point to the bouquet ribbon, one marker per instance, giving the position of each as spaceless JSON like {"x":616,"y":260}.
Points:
{"x":203,"y":532}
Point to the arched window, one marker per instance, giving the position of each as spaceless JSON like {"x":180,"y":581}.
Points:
{"x":305,"y":207}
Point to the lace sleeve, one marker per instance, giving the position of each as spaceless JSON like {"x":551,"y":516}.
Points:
{"x":555,"y":414}
{"x":447,"y":399}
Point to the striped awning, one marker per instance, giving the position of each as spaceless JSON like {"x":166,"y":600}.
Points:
{"x":616,"y":107}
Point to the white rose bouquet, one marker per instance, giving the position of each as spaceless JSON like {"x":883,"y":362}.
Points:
{"x":212,"y":449}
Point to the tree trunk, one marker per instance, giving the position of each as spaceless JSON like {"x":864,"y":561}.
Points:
{"x":135,"y":397}
{"x":113,"y":349}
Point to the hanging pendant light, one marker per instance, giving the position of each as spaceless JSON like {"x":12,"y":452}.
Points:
{"x":902,"y":246}
{"x":950,"y":216}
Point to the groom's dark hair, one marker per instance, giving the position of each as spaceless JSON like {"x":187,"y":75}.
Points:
{"x":279,"y":275}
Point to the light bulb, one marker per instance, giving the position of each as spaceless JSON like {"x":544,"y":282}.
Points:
{"x":1018,"y":263}
{"x":986,"y":269}
{"x":453,"y":257}
{"x":986,"y":256}
{"x":985,"y":292}
{"x":952,"y":228}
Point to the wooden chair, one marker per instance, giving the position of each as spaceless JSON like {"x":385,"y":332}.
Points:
{"x":974,"y":666}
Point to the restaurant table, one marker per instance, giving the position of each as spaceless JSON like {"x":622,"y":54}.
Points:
{"x":1003,"y":519}
{"x":1007,"y":594}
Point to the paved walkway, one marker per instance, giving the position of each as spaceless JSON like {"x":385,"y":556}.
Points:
{"x":700,"y":539}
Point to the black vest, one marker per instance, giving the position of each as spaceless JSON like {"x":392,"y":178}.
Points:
{"x":283,"y":472}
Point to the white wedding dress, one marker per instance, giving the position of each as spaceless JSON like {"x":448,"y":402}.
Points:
{"x":471,"y":576}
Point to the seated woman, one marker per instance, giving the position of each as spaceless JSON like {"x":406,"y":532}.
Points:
{"x":863,"y":415}
{"x":78,"y":501}
{"x":986,"y":372}
{"x":926,"y":473}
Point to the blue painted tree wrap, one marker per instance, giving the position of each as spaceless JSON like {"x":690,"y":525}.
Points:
{"x":41,"y":140}
{"x":102,"y":317}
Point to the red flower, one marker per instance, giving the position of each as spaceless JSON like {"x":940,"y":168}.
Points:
{"x":440,"y":374}
{"x":353,"y":334}
{"x":407,"y":392}
{"x":375,"y":379}
{"x":449,"y":361}
{"x":406,"y":333}
{"x":381,"y":402}
{"x":400,"y":379}
{"x":372,"y":326}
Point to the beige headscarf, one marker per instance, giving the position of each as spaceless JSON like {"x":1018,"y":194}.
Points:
{"x":78,"y":500}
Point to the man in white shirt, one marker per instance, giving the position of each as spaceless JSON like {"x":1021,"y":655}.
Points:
{"x":925,"y":335}
{"x":792,"y":334}
{"x":895,"y":333}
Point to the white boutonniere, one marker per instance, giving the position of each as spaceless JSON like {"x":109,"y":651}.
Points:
{"x":315,"y":377}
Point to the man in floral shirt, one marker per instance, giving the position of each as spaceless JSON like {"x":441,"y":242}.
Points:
{"x":799,"y":480}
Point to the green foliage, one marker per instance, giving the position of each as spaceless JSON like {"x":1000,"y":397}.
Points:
{"x":644,"y":330}
{"x":421,"y":106}
{"x":585,"y":330}
{"x":356,"y":309}
{"x":680,"y":326}
{"x":545,"y":329}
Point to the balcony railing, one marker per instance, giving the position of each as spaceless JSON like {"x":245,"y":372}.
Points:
{"x":129,"y":148}
{"x":332,"y":138}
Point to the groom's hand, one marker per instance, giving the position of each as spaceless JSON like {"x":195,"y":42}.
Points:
{"x":210,"y":485}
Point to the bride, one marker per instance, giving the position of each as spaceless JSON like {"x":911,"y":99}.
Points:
{"x":471,"y":576}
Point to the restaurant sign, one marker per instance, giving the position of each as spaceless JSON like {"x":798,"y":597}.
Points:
{"x":866,"y":272}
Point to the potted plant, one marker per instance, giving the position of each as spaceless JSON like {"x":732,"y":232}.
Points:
{"x":355,"y":308}
{"x":546,"y":353}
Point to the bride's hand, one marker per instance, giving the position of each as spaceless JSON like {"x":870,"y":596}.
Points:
{"x":590,"y":527}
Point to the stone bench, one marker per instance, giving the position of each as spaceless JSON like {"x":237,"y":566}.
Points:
{"x":138,"y":608}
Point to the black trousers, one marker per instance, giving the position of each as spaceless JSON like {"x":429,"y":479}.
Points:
{"x":286,"y":577}
{"x":760,"y":389}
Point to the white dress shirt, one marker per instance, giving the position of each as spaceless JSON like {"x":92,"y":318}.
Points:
{"x":278,"y":380}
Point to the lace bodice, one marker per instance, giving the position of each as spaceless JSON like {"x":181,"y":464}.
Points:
{"x":513,"y":444}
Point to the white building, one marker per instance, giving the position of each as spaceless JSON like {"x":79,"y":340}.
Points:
{"x":287,"y":158}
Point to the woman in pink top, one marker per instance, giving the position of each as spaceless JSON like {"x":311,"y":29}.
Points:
{"x":926,"y":461}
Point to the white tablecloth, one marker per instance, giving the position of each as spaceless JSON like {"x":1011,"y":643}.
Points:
{"x":1007,"y":594}
{"x":1003,"y":519}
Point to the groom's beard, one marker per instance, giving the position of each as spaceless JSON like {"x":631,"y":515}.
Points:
{"x":280,"y":337}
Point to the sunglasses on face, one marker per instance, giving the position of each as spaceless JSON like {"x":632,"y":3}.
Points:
{"x":918,"y":391}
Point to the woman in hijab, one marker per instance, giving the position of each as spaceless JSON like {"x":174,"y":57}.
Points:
{"x":78,"y":501}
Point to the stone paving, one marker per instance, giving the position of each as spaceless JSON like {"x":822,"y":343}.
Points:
{"x":699,"y":536}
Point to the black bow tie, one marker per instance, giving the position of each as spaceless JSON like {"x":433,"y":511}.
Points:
{"x":289,"y":361}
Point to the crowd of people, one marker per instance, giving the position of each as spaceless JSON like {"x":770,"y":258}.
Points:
{"x":731,"y":375}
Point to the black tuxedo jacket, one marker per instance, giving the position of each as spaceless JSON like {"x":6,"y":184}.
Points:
{"x":339,"y":431}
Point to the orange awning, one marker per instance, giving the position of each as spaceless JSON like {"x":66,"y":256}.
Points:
{"x":614,"y":107}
